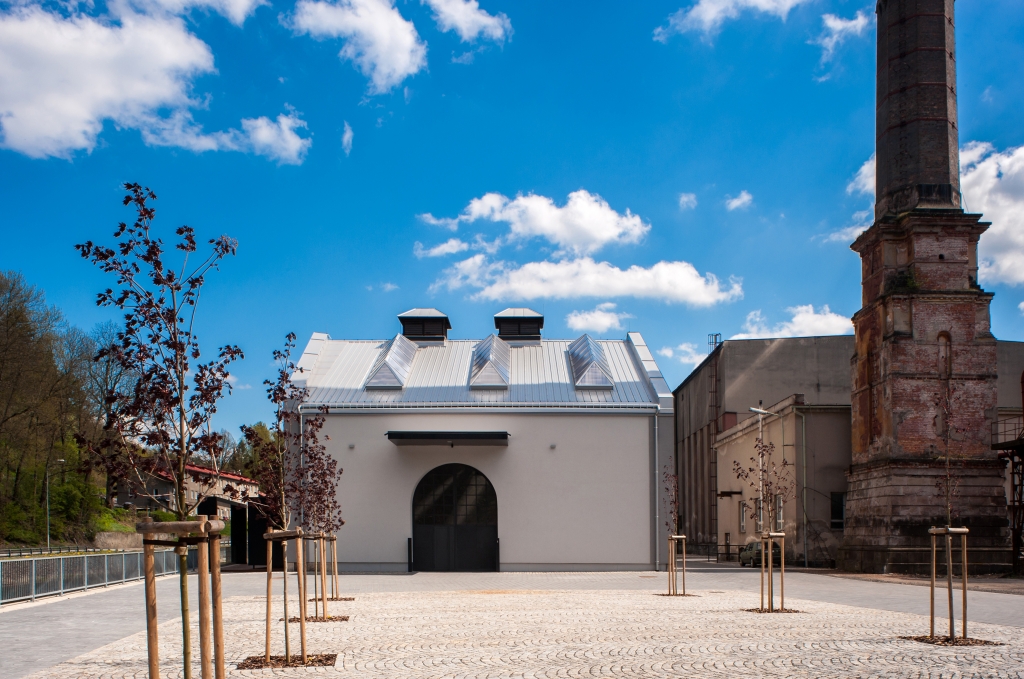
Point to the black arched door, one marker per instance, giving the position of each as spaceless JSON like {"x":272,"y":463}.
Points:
{"x":455,"y":521}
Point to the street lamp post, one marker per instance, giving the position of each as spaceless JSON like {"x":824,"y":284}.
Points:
{"x":48,"y":475}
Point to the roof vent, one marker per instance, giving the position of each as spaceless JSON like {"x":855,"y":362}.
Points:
{"x":518,"y":324}
{"x":590,"y":368}
{"x":392,"y":367}
{"x":491,"y":364}
{"x":425,"y":325}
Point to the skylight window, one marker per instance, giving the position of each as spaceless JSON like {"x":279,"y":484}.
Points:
{"x":392,"y":367}
{"x":491,"y":364}
{"x":590,"y":369}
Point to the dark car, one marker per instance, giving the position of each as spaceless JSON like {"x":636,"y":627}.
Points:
{"x":751,"y":554}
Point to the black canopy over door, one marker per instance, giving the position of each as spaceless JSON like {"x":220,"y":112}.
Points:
{"x":455,"y":521}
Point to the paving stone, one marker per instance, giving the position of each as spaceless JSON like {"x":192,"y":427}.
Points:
{"x":577,"y":633}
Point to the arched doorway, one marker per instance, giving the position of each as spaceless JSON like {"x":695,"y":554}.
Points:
{"x":455,"y":521}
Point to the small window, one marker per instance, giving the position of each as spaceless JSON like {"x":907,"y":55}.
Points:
{"x":838,"y":511}
{"x":780,"y":520}
{"x":743,"y":516}
{"x":759,"y":521}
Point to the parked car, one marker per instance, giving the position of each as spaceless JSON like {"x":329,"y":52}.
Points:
{"x":751,"y":554}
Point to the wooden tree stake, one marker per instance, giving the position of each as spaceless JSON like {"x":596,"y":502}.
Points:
{"x":152,"y":644}
{"x":218,"y":608}
{"x":204,"y":607}
{"x":270,"y":565}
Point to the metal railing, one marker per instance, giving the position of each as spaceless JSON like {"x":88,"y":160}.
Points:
{"x":31,"y":551}
{"x":30,"y":579}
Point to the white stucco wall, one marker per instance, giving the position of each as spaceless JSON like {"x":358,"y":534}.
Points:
{"x":584,"y":505}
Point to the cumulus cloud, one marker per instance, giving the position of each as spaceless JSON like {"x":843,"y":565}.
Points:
{"x":600,"y":319}
{"x":449,"y":247}
{"x":467,"y":19}
{"x":837,"y":30}
{"x":686,"y":353}
{"x":805,"y":322}
{"x":861,"y":222}
{"x":864,"y":181}
{"x":1021,"y":307}
{"x":346,"y":138}
{"x":383,"y":45}
{"x":585,"y":224}
{"x":687,"y":201}
{"x":993,"y":184}
{"x":235,"y":11}
{"x":576,"y":278}
{"x":62,"y":78}
{"x":739,"y":202}
{"x":707,"y":16}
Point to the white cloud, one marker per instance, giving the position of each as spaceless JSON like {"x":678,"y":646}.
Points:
{"x":585,"y":224}
{"x":806,"y":322}
{"x":707,"y":16}
{"x":576,"y":278}
{"x":235,"y":10}
{"x":847,"y":234}
{"x":741,"y":201}
{"x":600,"y":319}
{"x":449,"y":247}
{"x":277,"y":140}
{"x":61,"y":78}
{"x":384,"y":46}
{"x":864,"y":181}
{"x":1021,"y":307}
{"x":686,"y":353}
{"x":346,"y":138}
{"x":389,"y":287}
{"x":837,"y":30}
{"x":467,"y":19}
{"x":993,"y":184}
{"x":687,"y":201}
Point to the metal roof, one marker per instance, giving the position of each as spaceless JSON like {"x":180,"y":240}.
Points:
{"x":518,"y":312}
{"x":335,"y":372}
{"x":423,"y":313}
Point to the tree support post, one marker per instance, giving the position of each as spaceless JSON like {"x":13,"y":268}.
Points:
{"x":949,"y":532}
{"x":206,"y":667}
{"x":270,"y":566}
{"x":149,"y":566}
{"x":334,"y":564}
{"x":218,"y":608}
{"x":323,"y":572}
{"x":302,"y":598}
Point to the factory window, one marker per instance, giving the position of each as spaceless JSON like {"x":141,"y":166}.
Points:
{"x":838,"y":511}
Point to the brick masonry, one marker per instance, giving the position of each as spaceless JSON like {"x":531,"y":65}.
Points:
{"x":923,"y":327}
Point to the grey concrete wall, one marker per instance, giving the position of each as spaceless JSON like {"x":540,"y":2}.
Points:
{"x":584,"y":505}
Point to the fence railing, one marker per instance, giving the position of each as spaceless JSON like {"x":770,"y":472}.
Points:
{"x":29,"y":579}
{"x":43,"y":551}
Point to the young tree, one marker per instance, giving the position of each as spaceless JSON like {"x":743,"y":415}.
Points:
{"x":948,"y":483}
{"x":164,"y":422}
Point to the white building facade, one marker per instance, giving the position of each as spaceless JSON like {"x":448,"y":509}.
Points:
{"x":511,"y":453}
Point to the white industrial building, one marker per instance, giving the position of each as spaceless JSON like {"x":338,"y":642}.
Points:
{"x":512,"y":452}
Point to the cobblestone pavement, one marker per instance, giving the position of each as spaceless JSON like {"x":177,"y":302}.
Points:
{"x":582,"y":633}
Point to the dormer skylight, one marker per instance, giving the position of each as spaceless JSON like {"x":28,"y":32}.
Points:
{"x":590,"y":369}
{"x":491,"y":364}
{"x":391,"y":369}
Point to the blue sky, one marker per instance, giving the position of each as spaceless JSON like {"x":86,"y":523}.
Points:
{"x":677,"y":168}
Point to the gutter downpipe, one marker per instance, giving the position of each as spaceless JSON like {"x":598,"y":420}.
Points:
{"x":803,"y":501}
{"x":657,"y":518}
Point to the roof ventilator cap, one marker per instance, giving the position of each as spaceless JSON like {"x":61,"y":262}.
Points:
{"x":590,"y":369}
{"x":491,"y":364}
{"x":392,"y":367}
{"x":518,"y":323}
{"x":425,"y":325}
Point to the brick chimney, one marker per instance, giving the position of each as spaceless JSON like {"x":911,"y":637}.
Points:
{"x":923,"y":329}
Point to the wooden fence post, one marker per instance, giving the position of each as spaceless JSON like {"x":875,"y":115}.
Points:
{"x":302,"y":597}
{"x":270,"y":567}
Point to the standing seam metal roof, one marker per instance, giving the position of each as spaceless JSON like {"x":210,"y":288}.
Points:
{"x":335,"y":373}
